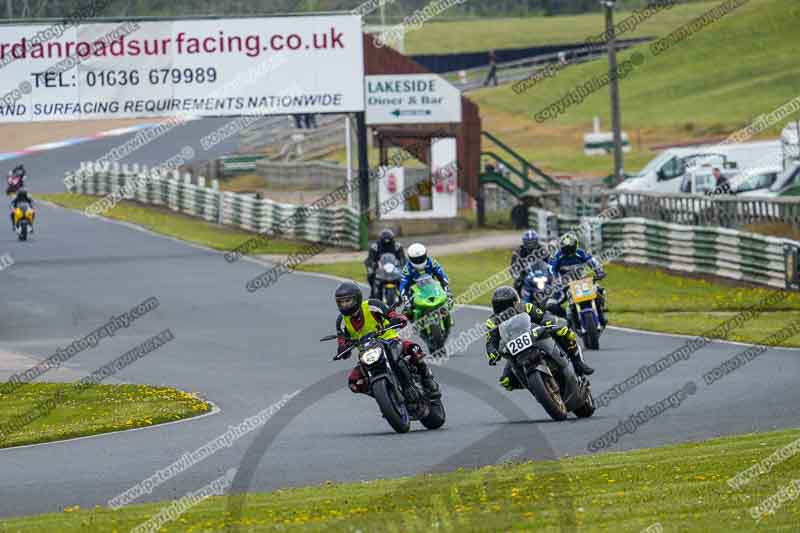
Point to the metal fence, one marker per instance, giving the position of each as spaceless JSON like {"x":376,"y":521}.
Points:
{"x":717,"y":210}
{"x":337,"y":225}
{"x":720,"y":252}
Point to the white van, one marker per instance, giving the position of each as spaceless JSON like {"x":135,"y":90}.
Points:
{"x":665,"y":172}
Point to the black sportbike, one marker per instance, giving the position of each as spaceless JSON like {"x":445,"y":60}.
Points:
{"x":394,"y":383}
{"x":540,"y":365}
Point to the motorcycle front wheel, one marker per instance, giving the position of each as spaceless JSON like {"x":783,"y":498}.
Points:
{"x":392,"y":408}
{"x":591,"y":340}
{"x":23,"y":232}
{"x":390,"y":298}
{"x":436,"y":337}
{"x":545,"y":389}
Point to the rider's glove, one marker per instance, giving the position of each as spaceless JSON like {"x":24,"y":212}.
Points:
{"x":493,"y":358}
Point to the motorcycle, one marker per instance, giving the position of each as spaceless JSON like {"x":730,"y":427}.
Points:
{"x":583,"y":314}
{"x":538,"y":288}
{"x":540,"y":365}
{"x":395,"y":384}
{"x":387,"y":279}
{"x":431,"y":312}
{"x":23,"y":220}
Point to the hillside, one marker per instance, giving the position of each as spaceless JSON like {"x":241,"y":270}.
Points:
{"x":715,"y":81}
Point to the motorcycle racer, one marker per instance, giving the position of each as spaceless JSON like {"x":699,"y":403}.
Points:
{"x":570,"y":255}
{"x":359,"y":317}
{"x":419,"y":263}
{"x":506,"y":303}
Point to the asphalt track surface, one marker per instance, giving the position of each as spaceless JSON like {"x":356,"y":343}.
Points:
{"x":245,"y":351}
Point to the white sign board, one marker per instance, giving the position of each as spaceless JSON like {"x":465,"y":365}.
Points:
{"x":209,"y":67}
{"x":411,"y":99}
{"x":393,"y":189}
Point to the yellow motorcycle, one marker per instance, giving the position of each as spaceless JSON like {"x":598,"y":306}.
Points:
{"x":23,"y":221}
{"x":582,"y":312}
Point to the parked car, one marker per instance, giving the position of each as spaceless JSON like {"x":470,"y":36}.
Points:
{"x":665,"y":172}
{"x":755,"y":180}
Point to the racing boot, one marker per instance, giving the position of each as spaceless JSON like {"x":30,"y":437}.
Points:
{"x":580,"y":366}
{"x":567,"y":339}
{"x":508,"y":380}
{"x":428,"y":383}
{"x":601,"y":306}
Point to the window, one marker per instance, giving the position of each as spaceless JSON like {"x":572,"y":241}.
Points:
{"x":686,"y":184}
{"x":672,"y":169}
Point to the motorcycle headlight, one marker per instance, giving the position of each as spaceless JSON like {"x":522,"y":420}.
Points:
{"x":541,"y":282}
{"x":371,"y":356}
{"x":388,"y":268}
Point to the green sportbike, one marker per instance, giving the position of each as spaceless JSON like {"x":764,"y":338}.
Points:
{"x":431,"y":312}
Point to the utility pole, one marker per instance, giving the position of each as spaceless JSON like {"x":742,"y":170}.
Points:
{"x":9,"y":9}
{"x":608,"y":5}
{"x":363,"y":180}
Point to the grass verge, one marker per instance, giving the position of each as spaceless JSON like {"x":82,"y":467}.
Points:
{"x":638,"y":297}
{"x":166,"y":222}
{"x":92,"y":410}
{"x":682,"y":487}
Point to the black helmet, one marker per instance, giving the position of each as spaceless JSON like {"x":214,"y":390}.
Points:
{"x":386,"y":239}
{"x":504,"y":298}
{"x":348,"y":298}
{"x":568,"y":244}
{"x":22,"y":191}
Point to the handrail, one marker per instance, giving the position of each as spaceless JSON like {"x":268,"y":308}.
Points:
{"x":524,"y":162}
{"x":525,"y":179}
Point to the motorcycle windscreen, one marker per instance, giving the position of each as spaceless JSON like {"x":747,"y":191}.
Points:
{"x":515,"y":327}
{"x":429,"y":293}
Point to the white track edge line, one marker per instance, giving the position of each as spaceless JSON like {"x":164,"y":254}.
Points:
{"x":214,"y":410}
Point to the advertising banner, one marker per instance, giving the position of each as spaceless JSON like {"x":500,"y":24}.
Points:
{"x":206,"y":67}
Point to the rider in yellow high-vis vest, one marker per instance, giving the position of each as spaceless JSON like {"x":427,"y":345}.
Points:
{"x":359,"y":318}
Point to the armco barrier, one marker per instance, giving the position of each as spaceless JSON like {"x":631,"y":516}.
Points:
{"x":331,"y":224}
{"x":720,"y":252}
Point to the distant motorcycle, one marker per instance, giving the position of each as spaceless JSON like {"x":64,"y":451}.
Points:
{"x":395,"y":384}
{"x":541,"y":366}
{"x":431,"y":312}
{"x":538,"y":288}
{"x":23,"y":220}
{"x":387,"y":279}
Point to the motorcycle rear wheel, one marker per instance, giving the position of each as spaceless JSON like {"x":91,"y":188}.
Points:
{"x":545,"y":389}
{"x":587,"y":409}
{"x":393,"y":410}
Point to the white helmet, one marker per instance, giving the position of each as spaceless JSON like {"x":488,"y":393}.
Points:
{"x":418,"y":255}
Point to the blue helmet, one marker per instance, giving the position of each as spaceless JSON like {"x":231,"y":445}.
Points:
{"x":530,"y":239}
